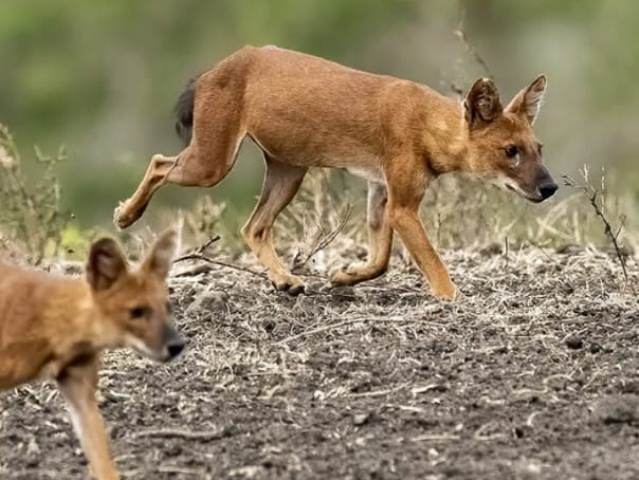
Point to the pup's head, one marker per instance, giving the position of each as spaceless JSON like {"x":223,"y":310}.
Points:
{"x":133,"y":303}
{"x":501,"y":143}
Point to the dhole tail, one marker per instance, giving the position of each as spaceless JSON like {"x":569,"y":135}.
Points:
{"x":184,"y":112}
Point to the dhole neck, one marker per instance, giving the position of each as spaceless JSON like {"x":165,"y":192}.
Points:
{"x":446,"y":139}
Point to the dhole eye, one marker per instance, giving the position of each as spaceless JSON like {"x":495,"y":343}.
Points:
{"x":511,"y":151}
{"x":139,"y":312}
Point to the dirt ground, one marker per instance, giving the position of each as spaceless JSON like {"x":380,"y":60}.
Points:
{"x":532,"y":374}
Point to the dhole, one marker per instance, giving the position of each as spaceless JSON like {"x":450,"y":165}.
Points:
{"x":55,"y":328}
{"x":304,"y":111}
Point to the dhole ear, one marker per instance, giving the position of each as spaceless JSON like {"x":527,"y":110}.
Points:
{"x":162,"y":252}
{"x":528,"y":101}
{"x":482,"y":104}
{"x":106,"y":264}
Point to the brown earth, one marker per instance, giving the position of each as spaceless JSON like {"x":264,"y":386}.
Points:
{"x":533,"y":374}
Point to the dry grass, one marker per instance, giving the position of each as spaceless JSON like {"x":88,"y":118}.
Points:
{"x":31,"y":216}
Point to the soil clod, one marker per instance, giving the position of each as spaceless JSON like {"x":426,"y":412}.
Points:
{"x":575,"y":342}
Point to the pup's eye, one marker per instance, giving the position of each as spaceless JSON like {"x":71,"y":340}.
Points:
{"x":511,"y":151}
{"x":540,"y":147}
{"x":139,"y":312}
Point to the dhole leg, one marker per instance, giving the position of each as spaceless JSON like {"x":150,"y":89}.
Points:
{"x":156,"y":175}
{"x":380,"y":237}
{"x":204,"y":163}
{"x":281,"y":183}
{"x":78,"y":385}
{"x":406,"y":189}
{"x":189,"y":169}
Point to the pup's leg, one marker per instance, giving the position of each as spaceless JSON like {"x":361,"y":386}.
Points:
{"x":78,"y":385}
{"x":281,"y":183}
{"x":380,"y":238}
{"x":406,"y":184}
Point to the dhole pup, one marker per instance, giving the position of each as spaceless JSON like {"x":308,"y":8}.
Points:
{"x":56,"y":327}
{"x":303,"y":111}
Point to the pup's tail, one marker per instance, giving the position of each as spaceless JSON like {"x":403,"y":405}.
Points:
{"x":184,"y":112}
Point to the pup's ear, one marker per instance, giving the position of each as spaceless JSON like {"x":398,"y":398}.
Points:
{"x":162,"y":252}
{"x":482,"y":104}
{"x":528,"y":101}
{"x":106,"y":264}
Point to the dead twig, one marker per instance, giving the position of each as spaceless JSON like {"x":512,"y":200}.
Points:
{"x":174,"y":469}
{"x":202,"y":248}
{"x":343,"y":324}
{"x":324,"y":240}
{"x":205,"y":435}
{"x":379,"y":393}
{"x":460,"y":33}
{"x":204,"y":258}
{"x":593,"y":195}
{"x":444,"y":437}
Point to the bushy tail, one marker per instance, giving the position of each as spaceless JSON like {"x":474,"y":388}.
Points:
{"x":184,"y":112}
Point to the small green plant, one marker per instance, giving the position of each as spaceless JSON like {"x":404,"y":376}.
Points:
{"x":31,"y":215}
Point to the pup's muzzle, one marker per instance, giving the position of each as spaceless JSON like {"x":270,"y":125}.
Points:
{"x":173,"y":344}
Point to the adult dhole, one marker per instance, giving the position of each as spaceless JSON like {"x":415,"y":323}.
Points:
{"x":303,"y":111}
{"x":55,"y":328}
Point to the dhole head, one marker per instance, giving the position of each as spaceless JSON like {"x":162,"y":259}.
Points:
{"x":133,"y":303}
{"x":501,"y":142}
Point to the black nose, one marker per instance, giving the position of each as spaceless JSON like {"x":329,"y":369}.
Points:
{"x":175,"y":347}
{"x":547,"y":190}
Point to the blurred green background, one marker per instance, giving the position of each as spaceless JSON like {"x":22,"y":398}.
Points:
{"x":101,"y":78}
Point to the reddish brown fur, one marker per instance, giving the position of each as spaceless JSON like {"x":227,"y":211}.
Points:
{"x":305,"y":111}
{"x":55,"y":328}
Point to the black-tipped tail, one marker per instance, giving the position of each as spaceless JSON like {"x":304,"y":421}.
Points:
{"x":184,"y":112}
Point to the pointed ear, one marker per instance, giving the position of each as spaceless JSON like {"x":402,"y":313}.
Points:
{"x":106,"y":264}
{"x":162,"y":252}
{"x":528,"y":101}
{"x":482,"y":104}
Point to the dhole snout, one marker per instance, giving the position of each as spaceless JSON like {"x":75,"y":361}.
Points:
{"x":162,"y":343}
{"x":534,"y":183}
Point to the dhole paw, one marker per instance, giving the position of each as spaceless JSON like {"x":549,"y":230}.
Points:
{"x":121,"y":218}
{"x":448,"y":292}
{"x":290,"y":284}
{"x":340,"y":276}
